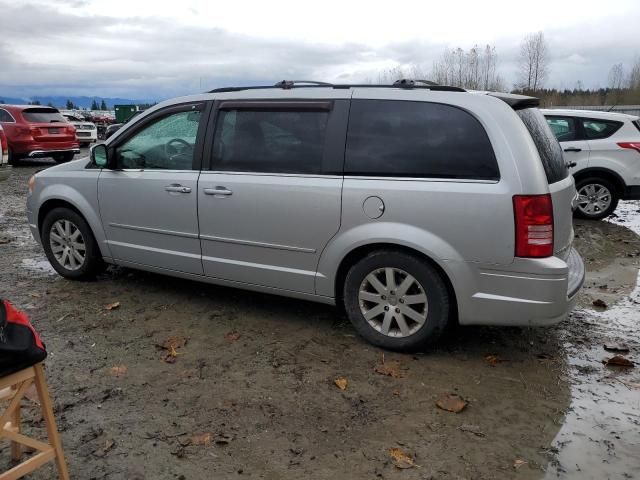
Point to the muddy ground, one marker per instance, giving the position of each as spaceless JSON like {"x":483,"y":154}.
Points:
{"x":252,"y":394}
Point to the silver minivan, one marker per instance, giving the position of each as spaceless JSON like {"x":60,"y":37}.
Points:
{"x":410,"y":206}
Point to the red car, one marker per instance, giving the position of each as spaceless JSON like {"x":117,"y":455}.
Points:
{"x":34,"y":131}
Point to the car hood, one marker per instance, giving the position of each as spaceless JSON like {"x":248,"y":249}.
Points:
{"x":72,"y":166}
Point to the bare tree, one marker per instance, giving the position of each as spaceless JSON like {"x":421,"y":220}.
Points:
{"x":533,"y":61}
{"x":616,"y":75}
{"x":474,"y":69}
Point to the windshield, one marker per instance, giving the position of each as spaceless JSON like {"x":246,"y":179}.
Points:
{"x":548,"y":147}
{"x":42,"y":115}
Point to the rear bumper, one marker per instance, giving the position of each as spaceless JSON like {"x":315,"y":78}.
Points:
{"x":48,"y":153}
{"x":532,"y":292}
{"x":34,"y":149}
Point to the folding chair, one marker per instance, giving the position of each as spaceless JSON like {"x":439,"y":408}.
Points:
{"x":13,"y":388}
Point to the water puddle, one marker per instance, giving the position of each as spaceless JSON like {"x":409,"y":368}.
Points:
{"x":38,"y":265}
{"x":600,"y":437}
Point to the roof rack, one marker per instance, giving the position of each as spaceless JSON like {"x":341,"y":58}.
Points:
{"x":290,"y":84}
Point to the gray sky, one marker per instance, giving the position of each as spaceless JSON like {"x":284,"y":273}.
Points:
{"x":159,"y":48}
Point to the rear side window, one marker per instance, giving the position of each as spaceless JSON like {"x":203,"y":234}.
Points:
{"x":564,"y":128}
{"x":548,"y":147}
{"x":270,"y":141}
{"x":637,"y":124}
{"x":599,"y":129}
{"x":417,"y":139}
{"x":42,"y":115}
{"x":5,"y":116}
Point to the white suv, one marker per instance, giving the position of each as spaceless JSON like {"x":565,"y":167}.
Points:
{"x":86,"y":132}
{"x":603,"y":150}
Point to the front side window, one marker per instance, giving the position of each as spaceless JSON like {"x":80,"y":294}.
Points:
{"x":417,"y":139}
{"x":270,"y":141}
{"x":167,"y":144}
{"x":564,"y":128}
{"x":5,"y":117}
{"x":599,"y":129}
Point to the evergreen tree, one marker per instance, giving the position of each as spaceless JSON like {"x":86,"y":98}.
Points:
{"x":103,"y":106}
{"x":94,"y":105}
{"x":70,"y":105}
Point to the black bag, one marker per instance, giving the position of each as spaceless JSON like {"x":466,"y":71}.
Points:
{"x":20,"y":345}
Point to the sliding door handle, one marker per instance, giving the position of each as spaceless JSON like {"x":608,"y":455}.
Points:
{"x":177,"y":188}
{"x":222,"y":191}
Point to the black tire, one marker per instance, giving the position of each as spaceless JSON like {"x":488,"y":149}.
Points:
{"x":63,"y":157}
{"x":598,"y":214}
{"x":430,"y":283}
{"x":13,"y":159}
{"x":93,"y":263}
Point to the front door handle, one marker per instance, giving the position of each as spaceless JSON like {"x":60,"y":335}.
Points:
{"x":572,"y":149}
{"x":223,"y":191}
{"x":177,"y":188}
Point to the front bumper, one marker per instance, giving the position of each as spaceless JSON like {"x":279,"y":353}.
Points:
{"x":532,"y":292}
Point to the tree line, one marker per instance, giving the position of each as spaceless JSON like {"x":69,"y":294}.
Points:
{"x":477,"y":69}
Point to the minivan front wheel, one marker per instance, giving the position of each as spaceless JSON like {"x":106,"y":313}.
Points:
{"x":396,"y":301}
{"x":69,"y":245}
{"x":597,"y":198}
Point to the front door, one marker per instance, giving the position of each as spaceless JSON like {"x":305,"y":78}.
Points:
{"x":148,"y":202}
{"x":271,"y":201}
{"x":568,"y":132}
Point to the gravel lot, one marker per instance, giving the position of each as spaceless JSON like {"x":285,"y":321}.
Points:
{"x":251,"y":393}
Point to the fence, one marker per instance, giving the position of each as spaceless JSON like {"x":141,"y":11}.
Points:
{"x":628,"y":109}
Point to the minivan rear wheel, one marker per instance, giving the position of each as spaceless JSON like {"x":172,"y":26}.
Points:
{"x":396,"y":301}
{"x":70,"y":245}
{"x":597,"y":198}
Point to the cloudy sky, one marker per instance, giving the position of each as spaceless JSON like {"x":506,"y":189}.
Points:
{"x":159,"y":49}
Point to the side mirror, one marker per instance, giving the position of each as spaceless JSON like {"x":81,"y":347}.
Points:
{"x":99,"y":156}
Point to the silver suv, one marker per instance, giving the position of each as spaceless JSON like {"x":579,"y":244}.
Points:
{"x":409,"y":206}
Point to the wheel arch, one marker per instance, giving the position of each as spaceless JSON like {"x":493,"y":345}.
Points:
{"x":361,"y":251}
{"x":605,"y":173}
{"x":92,"y":219}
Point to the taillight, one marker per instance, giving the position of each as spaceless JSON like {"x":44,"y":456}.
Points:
{"x":632,"y":145}
{"x":4,"y":148}
{"x":534,"y":225}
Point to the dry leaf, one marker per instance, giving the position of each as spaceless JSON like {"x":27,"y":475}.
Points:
{"x":518,"y":463}
{"x":35,"y":295}
{"x":618,"y":361}
{"x":396,"y":393}
{"x":390,"y":369}
{"x":616,"y":347}
{"x":471,"y":429}
{"x":341,"y":383}
{"x":452,"y":403}
{"x":108,"y":445}
{"x":112,"y":306}
{"x":600,"y":304}
{"x":173,"y":342}
{"x":202,"y":439}
{"x":492,"y":359}
{"x":118,"y":370}
{"x":400,"y":459}
{"x":222,"y":439}
{"x":167,"y":358}
{"x":232,"y":336}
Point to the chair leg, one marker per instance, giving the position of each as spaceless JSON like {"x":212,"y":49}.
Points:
{"x":16,"y":448}
{"x":49,"y":418}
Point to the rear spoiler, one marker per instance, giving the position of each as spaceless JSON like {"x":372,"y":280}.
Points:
{"x":517,"y":102}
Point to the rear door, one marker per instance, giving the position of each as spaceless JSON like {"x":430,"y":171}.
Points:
{"x":561,"y":184}
{"x":568,"y":131}
{"x":271,"y":201}
{"x":148,"y":202}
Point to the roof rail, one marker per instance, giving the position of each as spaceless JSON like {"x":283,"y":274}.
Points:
{"x":290,"y":84}
{"x":287,"y":84}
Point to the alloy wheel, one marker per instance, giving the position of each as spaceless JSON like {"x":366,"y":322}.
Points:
{"x":67,"y":244}
{"x":393,"y":302}
{"x":593,"y":199}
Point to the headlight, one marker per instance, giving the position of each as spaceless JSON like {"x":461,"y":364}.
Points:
{"x":32,"y":183}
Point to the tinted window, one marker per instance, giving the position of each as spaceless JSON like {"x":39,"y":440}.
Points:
{"x":417,"y":139}
{"x":546,"y":143}
{"x":42,"y":115}
{"x":564,"y":128}
{"x":598,"y":129}
{"x":168,"y":143}
{"x":282,"y":141}
{"x":5,"y":116}
{"x":637,"y":124}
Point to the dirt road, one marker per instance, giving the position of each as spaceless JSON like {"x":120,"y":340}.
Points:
{"x":252,"y":393}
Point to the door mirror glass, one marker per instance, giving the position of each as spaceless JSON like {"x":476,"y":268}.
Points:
{"x":99,"y":156}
